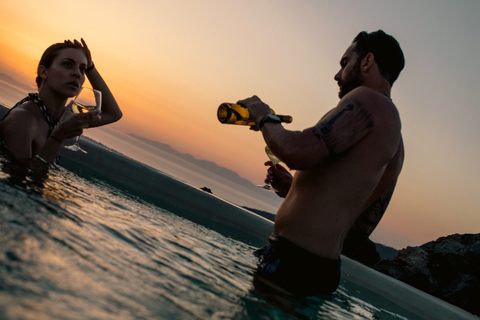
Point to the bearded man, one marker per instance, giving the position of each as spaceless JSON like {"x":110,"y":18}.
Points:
{"x":347,"y":166}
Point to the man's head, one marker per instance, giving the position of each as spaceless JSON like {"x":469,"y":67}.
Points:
{"x":384,"y":50}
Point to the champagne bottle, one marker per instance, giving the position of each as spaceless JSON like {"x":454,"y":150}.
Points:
{"x":236,"y":114}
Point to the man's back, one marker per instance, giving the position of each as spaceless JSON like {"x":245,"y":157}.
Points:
{"x":326,"y":199}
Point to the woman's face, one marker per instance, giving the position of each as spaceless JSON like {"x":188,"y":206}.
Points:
{"x":66,"y":74}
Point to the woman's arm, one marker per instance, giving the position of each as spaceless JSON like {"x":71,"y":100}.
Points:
{"x":70,"y":125}
{"x":110,"y":110}
{"x":20,"y":133}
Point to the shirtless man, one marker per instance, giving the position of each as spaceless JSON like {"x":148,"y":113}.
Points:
{"x":347,"y":164}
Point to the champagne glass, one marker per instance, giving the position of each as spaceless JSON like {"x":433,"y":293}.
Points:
{"x":87,"y":100}
{"x":275,"y":160}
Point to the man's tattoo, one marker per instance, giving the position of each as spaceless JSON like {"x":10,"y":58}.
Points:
{"x":344,"y":128}
{"x":373,"y":214}
{"x":326,"y":127}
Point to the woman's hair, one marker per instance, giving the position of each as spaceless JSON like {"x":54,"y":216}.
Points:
{"x":50,"y":54}
{"x":386,"y":51}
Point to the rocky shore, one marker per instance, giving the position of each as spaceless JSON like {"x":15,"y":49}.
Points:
{"x":448,"y":268}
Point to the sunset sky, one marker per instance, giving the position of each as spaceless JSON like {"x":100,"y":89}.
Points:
{"x":171,"y":63}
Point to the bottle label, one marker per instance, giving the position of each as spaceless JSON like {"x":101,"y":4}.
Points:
{"x":234,"y":114}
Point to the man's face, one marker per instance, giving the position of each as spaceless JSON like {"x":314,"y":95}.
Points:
{"x":349,"y":76}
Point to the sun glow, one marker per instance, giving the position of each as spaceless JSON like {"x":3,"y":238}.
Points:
{"x":171,"y":63}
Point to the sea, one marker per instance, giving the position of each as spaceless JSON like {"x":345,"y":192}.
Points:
{"x":78,"y":247}
{"x":120,"y":233}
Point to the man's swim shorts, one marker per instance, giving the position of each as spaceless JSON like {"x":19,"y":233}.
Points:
{"x":295,"y":269}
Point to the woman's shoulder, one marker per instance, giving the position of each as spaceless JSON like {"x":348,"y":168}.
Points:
{"x":23,"y":115}
{"x":28,"y":109}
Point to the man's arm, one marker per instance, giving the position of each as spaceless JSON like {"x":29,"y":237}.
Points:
{"x":351,"y":121}
{"x":344,"y":127}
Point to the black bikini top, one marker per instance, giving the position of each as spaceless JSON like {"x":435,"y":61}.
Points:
{"x":35,"y":98}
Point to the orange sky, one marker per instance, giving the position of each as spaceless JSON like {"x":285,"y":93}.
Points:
{"x":171,"y":63}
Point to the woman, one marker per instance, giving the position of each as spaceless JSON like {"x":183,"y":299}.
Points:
{"x":38,"y":125}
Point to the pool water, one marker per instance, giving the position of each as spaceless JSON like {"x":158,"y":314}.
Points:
{"x":76,"y":248}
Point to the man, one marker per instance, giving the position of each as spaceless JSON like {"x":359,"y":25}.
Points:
{"x":347,"y":164}
{"x":357,"y":244}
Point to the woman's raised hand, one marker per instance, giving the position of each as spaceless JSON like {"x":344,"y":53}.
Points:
{"x":83,"y":45}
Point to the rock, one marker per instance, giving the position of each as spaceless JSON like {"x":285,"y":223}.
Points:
{"x":206,"y":189}
{"x":448,"y":268}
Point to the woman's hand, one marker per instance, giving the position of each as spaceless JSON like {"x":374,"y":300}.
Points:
{"x":110,"y":110}
{"x":88,"y":54}
{"x":83,"y":45}
{"x":72,"y":124}
{"x":279,"y":178}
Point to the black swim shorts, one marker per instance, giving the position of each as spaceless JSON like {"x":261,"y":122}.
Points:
{"x":295,"y":269}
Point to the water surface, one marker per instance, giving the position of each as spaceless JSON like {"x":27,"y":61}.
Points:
{"x":74,"y":248}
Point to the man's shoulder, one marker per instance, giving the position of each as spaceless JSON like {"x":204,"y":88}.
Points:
{"x":367,"y":94}
{"x":372,"y":100}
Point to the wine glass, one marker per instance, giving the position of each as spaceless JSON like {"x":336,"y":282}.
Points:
{"x":87,"y":100}
{"x":275,"y":160}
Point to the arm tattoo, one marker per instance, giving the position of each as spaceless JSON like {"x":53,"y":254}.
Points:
{"x":373,"y":214}
{"x":344,"y":128}
{"x":326,"y":127}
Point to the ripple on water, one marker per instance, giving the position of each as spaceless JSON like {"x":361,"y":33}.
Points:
{"x":79,"y":249}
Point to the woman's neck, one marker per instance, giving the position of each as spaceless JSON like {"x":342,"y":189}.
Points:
{"x":53,"y":102}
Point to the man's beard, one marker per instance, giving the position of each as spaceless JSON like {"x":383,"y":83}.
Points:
{"x":353,"y":81}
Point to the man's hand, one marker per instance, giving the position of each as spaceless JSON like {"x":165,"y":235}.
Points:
{"x":279,"y":178}
{"x":257,"y":109}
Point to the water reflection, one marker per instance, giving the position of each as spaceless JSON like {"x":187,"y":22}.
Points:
{"x":77,"y":248}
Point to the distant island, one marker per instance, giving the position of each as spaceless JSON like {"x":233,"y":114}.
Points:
{"x":204,"y":164}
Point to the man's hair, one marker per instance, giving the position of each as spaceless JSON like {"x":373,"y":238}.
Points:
{"x":386,"y":51}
